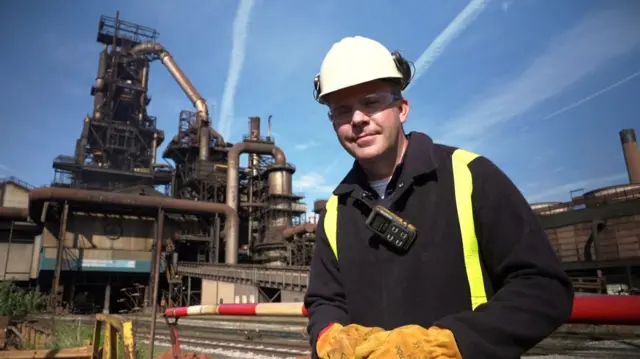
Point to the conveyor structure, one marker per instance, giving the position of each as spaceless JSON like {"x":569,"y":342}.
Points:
{"x":283,"y":278}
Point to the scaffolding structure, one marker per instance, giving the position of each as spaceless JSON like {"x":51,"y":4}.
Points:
{"x":197,"y":180}
{"x":119,"y":139}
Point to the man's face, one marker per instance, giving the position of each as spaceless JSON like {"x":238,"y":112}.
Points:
{"x":368,"y":119}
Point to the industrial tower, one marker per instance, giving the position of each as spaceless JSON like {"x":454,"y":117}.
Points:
{"x":198,"y":179}
{"x":118,"y":143}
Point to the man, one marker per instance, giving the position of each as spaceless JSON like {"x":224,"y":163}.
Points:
{"x":479,"y":280}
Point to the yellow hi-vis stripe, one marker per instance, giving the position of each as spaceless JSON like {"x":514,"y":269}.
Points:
{"x":463,"y":185}
{"x":331,"y":223}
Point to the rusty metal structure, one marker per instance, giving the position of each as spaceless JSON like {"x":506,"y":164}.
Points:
{"x":261,"y":192}
{"x":107,"y":225}
{"x":91,"y":251}
{"x":118,"y":143}
{"x":197,"y":179}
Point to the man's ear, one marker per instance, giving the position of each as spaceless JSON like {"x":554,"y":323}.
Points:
{"x":403,"y":108}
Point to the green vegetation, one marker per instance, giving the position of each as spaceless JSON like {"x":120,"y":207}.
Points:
{"x":17,"y":302}
{"x":68,"y":334}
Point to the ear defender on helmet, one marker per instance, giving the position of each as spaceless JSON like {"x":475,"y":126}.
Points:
{"x":317,"y":90}
{"x":406,"y":69}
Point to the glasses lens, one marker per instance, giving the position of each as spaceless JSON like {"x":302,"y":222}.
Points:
{"x":369,"y":105}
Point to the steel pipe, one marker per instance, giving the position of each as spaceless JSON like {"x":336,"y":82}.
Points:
{"x":156,"y":276}
{"x":14,"y":214}
{"x":219,"y":139}
{"x":299,"y":229}
{"x":38,"y":196}
{"x":631,"y":154}
{"x":57,"y":273}
{"x":233,"y":169}
{"x":194,"y":96}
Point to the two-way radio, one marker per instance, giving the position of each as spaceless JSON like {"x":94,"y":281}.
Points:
{"x":391,"y":228}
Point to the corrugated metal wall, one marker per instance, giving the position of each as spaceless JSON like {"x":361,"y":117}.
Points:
{"x":620,"y":239}
{"x":99,"y":242}
{"x":17,"y":255}
{"x":100,"y":232}
{"x":213,"y":291}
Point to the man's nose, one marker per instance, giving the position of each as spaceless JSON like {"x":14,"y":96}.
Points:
{"x":359,"y":117}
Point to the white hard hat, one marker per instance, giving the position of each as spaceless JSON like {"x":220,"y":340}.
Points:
{"x":352,"y":61}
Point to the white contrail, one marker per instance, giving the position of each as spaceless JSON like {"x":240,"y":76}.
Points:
{"x":593,"y":95}
{"x":240,"y":26}
{"x":450,"y":33}
{"x":570,"y":57}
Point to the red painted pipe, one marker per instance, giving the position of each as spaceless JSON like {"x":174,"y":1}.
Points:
{"x":606,"y":309}
{"x":600,"y":309}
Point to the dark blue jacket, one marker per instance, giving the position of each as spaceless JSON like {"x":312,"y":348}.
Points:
{"x":530,"y":295}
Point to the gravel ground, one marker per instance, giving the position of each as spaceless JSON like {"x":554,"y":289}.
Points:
{"x":586,"y":349}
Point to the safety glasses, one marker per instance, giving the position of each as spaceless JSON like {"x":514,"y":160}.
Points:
{"x":369,"y":105}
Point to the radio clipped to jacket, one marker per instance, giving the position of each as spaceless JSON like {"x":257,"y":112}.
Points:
{"x":391,"y":228}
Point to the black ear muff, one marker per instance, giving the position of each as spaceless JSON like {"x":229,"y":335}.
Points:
{"x":404,"y":67}
{"x":317,"y":89}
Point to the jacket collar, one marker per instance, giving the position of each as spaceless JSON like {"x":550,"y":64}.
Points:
{"x":418,"y":159}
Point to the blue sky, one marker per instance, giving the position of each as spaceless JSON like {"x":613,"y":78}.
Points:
{"x":541,"y":87}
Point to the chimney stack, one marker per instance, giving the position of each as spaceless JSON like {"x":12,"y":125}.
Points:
{"x":254,"y":127}
{"x":631,"y":155}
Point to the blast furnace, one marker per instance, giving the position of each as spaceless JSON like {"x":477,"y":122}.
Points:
{"x":90,"y":253}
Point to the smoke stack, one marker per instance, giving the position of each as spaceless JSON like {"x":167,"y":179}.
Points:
{"x":631,"y":155}
{"x":254,"y":128}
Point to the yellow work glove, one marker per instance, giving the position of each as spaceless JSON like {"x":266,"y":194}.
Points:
{"x":340,"y":342}
{"x":409,"y":342}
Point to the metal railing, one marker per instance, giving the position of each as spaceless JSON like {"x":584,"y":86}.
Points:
{"x":601,"y":309}
{"x":597,"y":309}
{"x":118,"y":332}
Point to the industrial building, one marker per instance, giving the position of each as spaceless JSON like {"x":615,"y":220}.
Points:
{"x":597,"y":233}
{"x":20,"y":238}
{"x":116,"y":231}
